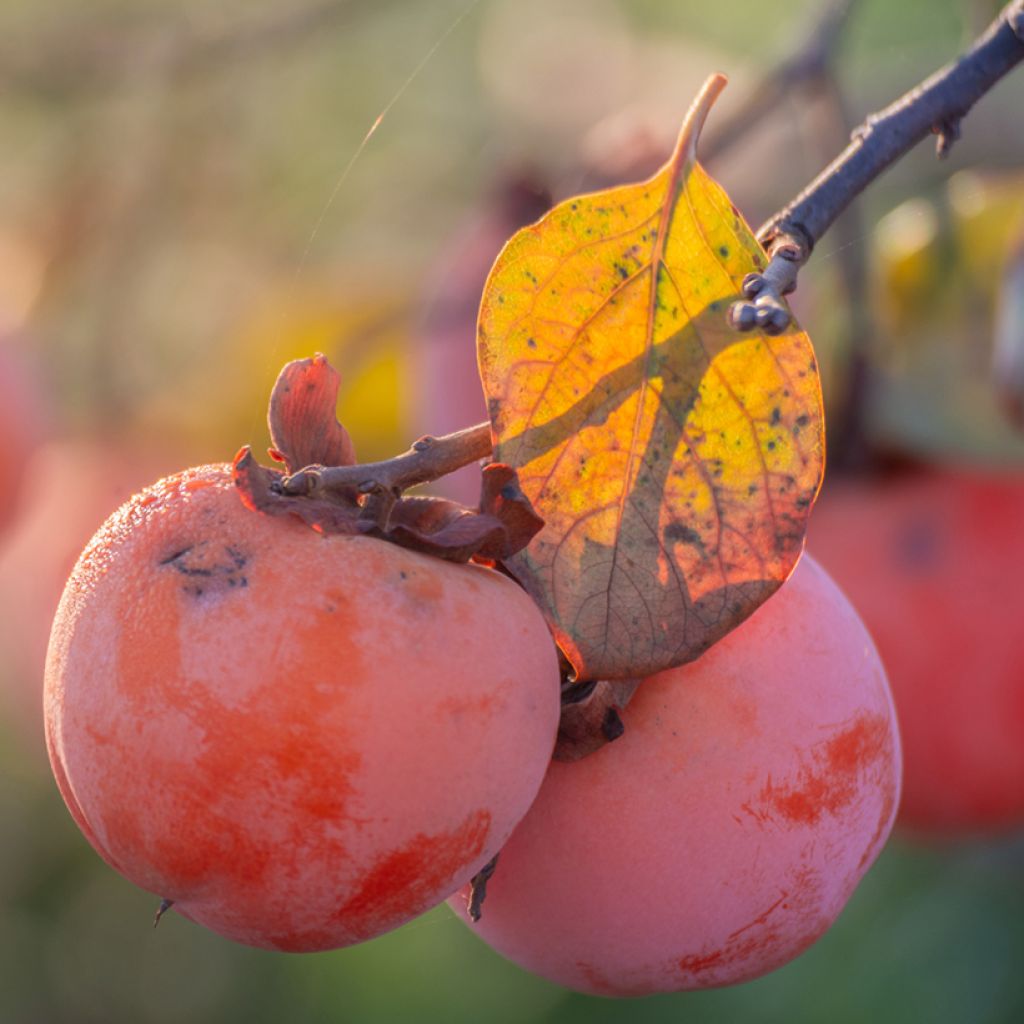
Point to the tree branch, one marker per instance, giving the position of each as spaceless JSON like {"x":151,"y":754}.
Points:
{"x":936,"y":106}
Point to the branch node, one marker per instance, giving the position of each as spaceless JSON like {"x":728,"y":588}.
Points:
{"x":864,"y":129}
{"x":753,"y":285}
{"x":1015,"y":19}
{"x":378,"y":505}
{"x":789,"y":247}
{"x":948,"y":133}
{"x":300,"y":484}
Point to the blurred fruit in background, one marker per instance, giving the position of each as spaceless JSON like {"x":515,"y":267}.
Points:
{"x":930,"y":555}
{"x":932,"y":560}
{"x":23,"y":412}
{"x":70,"y":488}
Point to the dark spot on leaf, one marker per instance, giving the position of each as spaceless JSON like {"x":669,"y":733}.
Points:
{"x":684,"y":534}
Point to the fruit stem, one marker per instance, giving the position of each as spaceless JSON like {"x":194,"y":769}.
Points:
{"x":428,"y":459}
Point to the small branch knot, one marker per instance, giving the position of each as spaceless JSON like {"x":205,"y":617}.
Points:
{"x":948,"y":132}
{"x":864,"y":129}
{"x":765,"y":309}
{"x":1015,"y":19}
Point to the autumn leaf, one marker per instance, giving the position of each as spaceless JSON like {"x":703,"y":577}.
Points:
{"x":673,"y":460}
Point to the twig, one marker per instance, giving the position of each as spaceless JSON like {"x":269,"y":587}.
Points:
{"x":807,"y":65}
{"x":936,"y":106}
{"x":428,"y":459}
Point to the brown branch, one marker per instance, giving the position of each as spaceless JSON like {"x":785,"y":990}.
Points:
{"x":936,"y":106}
{"x":428,"y":459}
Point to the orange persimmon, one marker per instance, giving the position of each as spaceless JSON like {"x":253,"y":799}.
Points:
{"x":301,"y":740}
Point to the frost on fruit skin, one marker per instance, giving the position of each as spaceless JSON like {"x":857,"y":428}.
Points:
{"x":722,"y":834}
{"x":303,"y":741}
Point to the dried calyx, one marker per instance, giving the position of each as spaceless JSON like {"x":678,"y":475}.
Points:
{"x":308,"y":440}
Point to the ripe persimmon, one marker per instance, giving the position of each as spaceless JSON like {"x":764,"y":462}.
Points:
{"x":723,"y":832}
{"x":301,"y":740}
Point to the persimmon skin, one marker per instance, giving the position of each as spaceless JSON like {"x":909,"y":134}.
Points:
{"x":722,"y":834}
{"x":303,"y":741}
{"x":932,"y":561}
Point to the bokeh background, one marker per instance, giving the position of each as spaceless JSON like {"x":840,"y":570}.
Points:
{"x":185,"y":205}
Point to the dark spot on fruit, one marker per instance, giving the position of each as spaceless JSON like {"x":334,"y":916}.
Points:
{"x":175,"y":556}
{"x":219,"y":567}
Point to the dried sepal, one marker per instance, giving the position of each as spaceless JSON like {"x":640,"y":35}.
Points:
{"x":260,"y":490}
{"x":303,"y":425}
{"x":436,"y":526}
{"x":590,"y":716}
{"x":502,"y":498}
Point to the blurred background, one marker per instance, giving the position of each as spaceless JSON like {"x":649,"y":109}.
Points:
{"x":186,"y":203}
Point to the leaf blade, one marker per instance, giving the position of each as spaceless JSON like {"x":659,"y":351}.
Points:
{"x":639,"y":422}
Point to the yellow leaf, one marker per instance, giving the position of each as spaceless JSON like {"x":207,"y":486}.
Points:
{"x":673,"y":460}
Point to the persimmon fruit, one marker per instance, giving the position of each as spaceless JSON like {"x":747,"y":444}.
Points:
{"x":932,"y":560}
{"x":724,"y":831}
{"x":301,"y":740}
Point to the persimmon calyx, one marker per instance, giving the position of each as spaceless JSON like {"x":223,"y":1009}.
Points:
{"x":368,"y":499}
